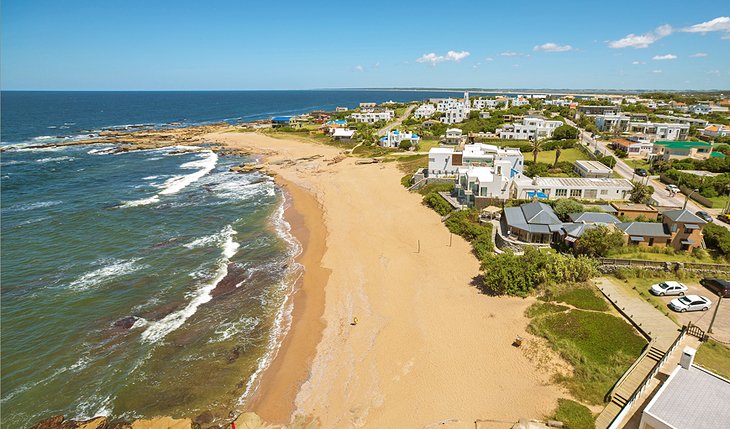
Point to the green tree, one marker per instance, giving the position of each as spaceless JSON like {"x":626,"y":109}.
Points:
{"x":564,"y":206}
{"x":599,"y":241}
{"x":565,"y":132}
{"x":405,"y":145}
{"x":557,"y":156}
{"x":641,"y":193}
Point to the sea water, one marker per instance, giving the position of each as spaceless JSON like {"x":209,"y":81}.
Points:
{"x":142,"y":283}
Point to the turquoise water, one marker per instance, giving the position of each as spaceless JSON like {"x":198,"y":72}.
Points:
{"x":137,"y":284}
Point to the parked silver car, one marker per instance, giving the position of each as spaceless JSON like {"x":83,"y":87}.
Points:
{"x":668,"y":288}
{"x":690,"y":303}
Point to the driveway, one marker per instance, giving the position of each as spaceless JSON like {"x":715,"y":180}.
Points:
{"x":721,"y":328}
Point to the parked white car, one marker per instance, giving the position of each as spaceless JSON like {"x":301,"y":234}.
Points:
{"x":690,"y":303}
{"x":668,"y":288}
{"x":673,"y":188}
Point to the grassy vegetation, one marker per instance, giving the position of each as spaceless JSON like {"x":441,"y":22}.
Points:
{"x":599,"y":345}
{"x":715,"y":357}
{"x":719,"y":202}
{"x":665,"y":254}
{"x":426,"y":145}
{"x":579,"y":295}
{"x":637,"y":163}
{"x":567,"y":155}
{"x":411,"y":163}
{"x":574,"y":415}
{"x":372,"y":151}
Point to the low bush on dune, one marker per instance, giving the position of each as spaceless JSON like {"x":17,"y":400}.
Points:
{"x":574,"y":415}
{"x":437,"y":203}
{"x":465,"y":223}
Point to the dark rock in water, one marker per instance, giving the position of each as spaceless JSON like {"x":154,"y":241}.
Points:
{"x":126,"y":322}
{"x":235,"y":354}
{"x":58,"y":422}
{"x":54,"y":422}
{"x":229,"y":282}
{"x":165,"y":244}
{"x":206,"y":417}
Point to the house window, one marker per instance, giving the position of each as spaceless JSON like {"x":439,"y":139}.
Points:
{"x":575,"y":192}
{"x":561,"y":192}
{"x":604,"y":191}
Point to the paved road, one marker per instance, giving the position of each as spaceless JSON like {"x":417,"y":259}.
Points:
{"x":383,"y":131}
{"x":661,"y":195}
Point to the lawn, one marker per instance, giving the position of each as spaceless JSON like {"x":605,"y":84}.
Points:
{"x":637,"y":163}
{"x":548,"y":156}
{"x":719,"y":202}
{"x":411,"y":163}
{"x":635,"y":252}
{"x":426,"y":145}
{"x":599,"y":345}
{"x":715,"y":357}
{"x":574,"y":415}
{"x":581,"y":296}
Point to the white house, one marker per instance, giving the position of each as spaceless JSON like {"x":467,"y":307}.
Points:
{"x":342,"y":134}
{"x":716,"y":131}
{"x":661,"y":131}
{"x":700,"y":109}
{"x":395,"y":137}
{"x":692,"y":397}
{"x":563,"y":187}
{"x":446,"y":161}
{"x":520,"y":101}
{"x":531,"y":127}
{"x":612,"y":122}
{"x":489,"y":103}
{"x":424,"y":111}
{"x":374,"y":116}
{"x":454,"y":136}
{"x":445,"y":104}
{"x":636,"y":146}
{"x":455,"y":115}
{"x":473,"y":183}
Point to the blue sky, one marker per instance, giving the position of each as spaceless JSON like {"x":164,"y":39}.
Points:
{"x":130,"y":44}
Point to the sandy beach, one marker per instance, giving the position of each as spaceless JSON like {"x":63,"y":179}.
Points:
{"x":428,"y":347}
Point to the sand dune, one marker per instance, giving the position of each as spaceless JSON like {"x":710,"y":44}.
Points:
{"x":427,"y":348}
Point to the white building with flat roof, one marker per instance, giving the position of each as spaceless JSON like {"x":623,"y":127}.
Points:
{"x":444,"y":161}
{"x":473,"y":183}
{"x":692,"y":397}
{"x":454,"y":136}
{"x":581,"y":188}
{"x":592,"y":169}
{"x":372,"y":117}
{"x":424,"y":111}
{"x":531,"y":127}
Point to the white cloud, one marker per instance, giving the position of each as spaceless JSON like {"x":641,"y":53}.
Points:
{"x":643,"y":40}
{"x":359,"y":68}
{"x":552,"y":47}
{"x":726,"y":37}
{"x":664,"y":57}
{"x":714,"y":72}
{"x":698,"y":55}
{"x":450,"y":56}
{"x":656,"y":71}
{"x":509,"y":54}
{"x":489,"y":59}
{"x":637,"y":62}
{"x":721,"y":23}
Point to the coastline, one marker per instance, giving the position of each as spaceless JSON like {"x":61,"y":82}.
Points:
{"x":273,"y":399}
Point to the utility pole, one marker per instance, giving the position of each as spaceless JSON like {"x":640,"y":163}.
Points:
{"x":717,"y":307}
{"x":686,"y":198}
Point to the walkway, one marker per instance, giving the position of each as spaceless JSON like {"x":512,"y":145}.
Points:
{"x":653,"y":324}
{"x":383,"y":131}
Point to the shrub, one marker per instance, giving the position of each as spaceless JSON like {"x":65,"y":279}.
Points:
{"x":717,"y":238}
{"x":436,"y":202}
{"x":465,"y":223}
{"x":406,"y":180}
{"x":405,"y":145}
{"x":510,"y":274}
{"x":599,"y":241}
{"x":565,"y":206}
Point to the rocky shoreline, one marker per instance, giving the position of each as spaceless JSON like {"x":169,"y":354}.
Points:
{"x":203,"y":421}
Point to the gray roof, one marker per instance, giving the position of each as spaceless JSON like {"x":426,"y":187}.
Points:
{"x":644,"y":229}
{"x":577,"y":229}
{"x":531,"y":217}
{"x":539,"y":213}
{"x":684,"y":216}
{"x":592,"y":217}
{"x":607,"y":208}
{"x":693,"y":398}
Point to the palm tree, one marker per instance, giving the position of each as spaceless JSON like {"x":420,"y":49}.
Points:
{"x":557,"y":155}
{"x":536,"y":146}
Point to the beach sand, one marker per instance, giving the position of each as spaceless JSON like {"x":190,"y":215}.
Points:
{"x":428,"y":347}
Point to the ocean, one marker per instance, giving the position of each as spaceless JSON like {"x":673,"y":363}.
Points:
{"x":142,"y":283}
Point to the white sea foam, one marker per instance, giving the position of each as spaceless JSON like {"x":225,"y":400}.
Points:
{"x":243,"y":327}
{"x":159,"y":329}
{"x":32,"y":206}
{"x":102,"y":150}
{"x":150,"y":177}
{"x":112,"y":269}
{"x":283,"y":319}
{"x":217,"y":239}
{"x":55,"y":159}
{"x":177,"y":183}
